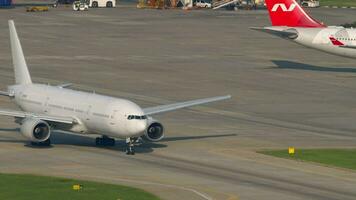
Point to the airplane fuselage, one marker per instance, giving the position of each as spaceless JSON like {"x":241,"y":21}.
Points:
{"x":319,"y":38}
{"x":93,"y":113}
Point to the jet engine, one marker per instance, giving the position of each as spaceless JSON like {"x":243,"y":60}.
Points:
{"x":154,"y":132}
{"x":35,"y":130}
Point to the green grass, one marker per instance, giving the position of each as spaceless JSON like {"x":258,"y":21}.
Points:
{"x":344,"y":158}
{"x":28,"y":187}
{"x":338,"y":3}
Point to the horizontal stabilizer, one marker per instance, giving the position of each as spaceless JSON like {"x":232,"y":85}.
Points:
{"x":283,"y":32}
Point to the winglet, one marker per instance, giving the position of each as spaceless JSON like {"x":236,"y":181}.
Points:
{"x":22,"y":76}
{"x":335,"y":41}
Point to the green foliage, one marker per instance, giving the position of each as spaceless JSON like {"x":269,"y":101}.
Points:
{"x":347,"y":25}
{"x":345,"y":158}
{"x":338,"y":3}
{"x":28,"y":187}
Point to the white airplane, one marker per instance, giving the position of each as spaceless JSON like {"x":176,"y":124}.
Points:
{"x":291,"y":22}
{"x":46,"y":107}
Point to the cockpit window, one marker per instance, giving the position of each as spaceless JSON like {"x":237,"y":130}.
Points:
{"x":130,"y":117}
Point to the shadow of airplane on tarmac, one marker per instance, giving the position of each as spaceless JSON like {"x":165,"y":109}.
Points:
{"x":62,"y":138}
{"x":284,"y":64}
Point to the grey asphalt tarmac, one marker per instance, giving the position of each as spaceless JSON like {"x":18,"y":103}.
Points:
{"x":283,"y":95}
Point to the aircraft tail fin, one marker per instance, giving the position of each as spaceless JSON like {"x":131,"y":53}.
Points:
{"x":290,"y":13}
{"x":22,"y":76}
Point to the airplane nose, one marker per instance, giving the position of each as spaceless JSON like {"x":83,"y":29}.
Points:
{"x":141,"y":126}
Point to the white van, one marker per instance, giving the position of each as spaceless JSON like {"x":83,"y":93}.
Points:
{"x":102,"y":3}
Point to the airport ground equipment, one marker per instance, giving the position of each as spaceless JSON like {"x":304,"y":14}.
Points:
{"x":36,"y":8}
{"x":202,"y":4}
{"x":80,"y":112}
{"x":80,"y":5}
{"x":310,"y":4}
{"x":223,"y":3}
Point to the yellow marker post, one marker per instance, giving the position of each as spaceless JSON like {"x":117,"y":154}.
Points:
{"x":77,"y":187}
{"x":291,"y":150}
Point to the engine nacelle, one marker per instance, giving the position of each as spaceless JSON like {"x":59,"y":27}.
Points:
{"x":35,"y":130}
{"x":154,"y":132}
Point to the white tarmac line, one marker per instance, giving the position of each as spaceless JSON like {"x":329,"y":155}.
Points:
{"x":200,"y":194}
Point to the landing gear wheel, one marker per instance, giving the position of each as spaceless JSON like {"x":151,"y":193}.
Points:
{"x":130,"y":142}
{"x":130,"y":150}
{"x":109,"y":4}
{"x":104,"y":141}
{"x":45,"y":143}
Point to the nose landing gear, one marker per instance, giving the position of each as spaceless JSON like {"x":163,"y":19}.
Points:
{"x":107,"y":141}
{"x":130,"y":142}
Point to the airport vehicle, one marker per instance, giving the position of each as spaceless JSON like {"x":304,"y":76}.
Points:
{"x":202,"y":4}
{"x":80,"y":5}
{"x":46,"y":107}
{"x":291,"y":22}
{"x":101,"y":3}
{"x":311,"y":4}
{"x":36,"y":8}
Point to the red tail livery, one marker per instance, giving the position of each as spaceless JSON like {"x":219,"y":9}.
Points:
{"x":291,"y":22}
{"x":289,"y":13}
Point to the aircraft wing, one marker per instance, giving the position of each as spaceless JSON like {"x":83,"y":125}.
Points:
{"x":2,"y":93}
{"x":282,"y":32}
{"x":22,"y":114}
{"x":176,"y":106}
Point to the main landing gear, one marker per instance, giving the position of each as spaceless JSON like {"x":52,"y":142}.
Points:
{"x":45,"y":143}
{"x":104,"y":141}
{"x":130,"y":142}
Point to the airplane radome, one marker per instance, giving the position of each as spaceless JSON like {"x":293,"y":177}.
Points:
{"x":290,"y":21}
{"x":45,"y":107}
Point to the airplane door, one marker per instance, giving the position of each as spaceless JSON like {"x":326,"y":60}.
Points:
{"x":88,"y":113}
{"x":46,"y":101}
{"x":46,"y":105}
{"x":113,"y":118}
